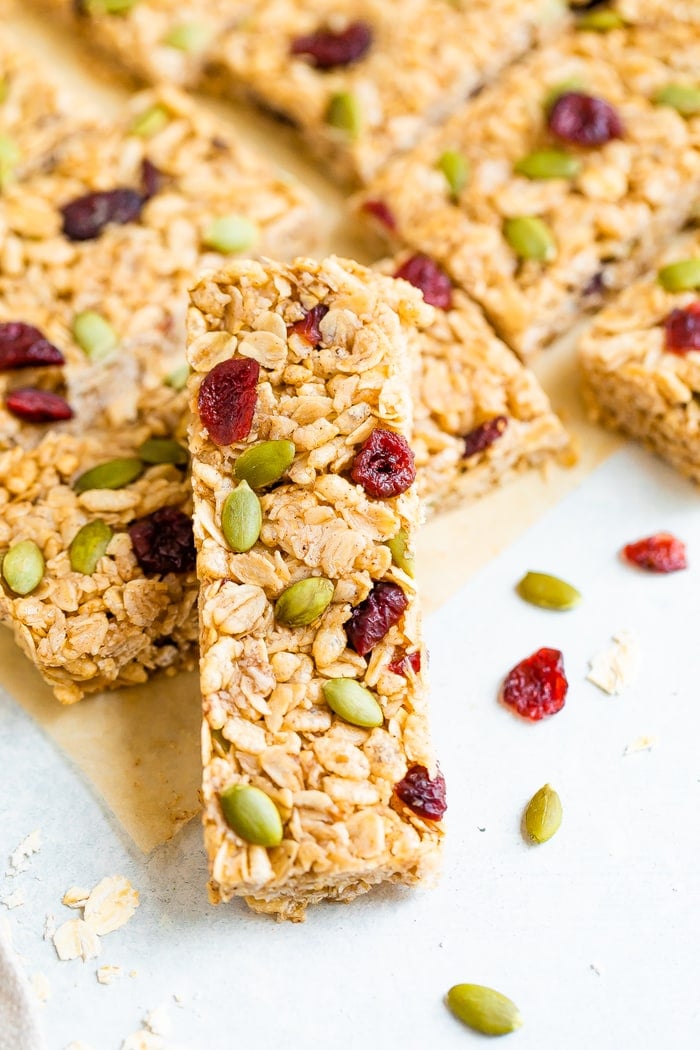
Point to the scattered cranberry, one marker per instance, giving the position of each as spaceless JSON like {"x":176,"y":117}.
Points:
{"x":596,"y":286}
{"x":375,"y":616}
{"x":309,"y":326}
{"x":24,"y":346}
{"x":86,"y":217}
{"x":537,"y":686}
{"x":385,"y":465}
{"x":329,"y":50}
{"x":584,"y":119}
{"x":381,"y":212}
{"x":152,"y":179}
{"x":482,"y":437}
{"x":659,"y":553}
{"x":683,"y":329}
{"x":423,"y":273}
{"x":37,"y":406}
{"x":227,"y":399}
{"x":427,"y":798}
{"x":164,"y":541}
{"x":409,"y":661}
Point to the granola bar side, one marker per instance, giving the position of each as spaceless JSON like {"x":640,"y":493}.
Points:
{"x":267,"y":721}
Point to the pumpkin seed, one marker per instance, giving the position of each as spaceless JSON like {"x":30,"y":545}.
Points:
{"x":265,"y":463}
{"x":548,"y":592}
{"x":150,"y":121}
{"x":483,"y":1009}
{"x":344,"y":113}
{"x":190,"y":37}
{"x":241,"y":518}
{"x":352,"y":702}
{"x":455,"y":167}
{"x":10,"y":157}
{"x":252,"y":815}
{"x":94,"y":335}
{"x":88,"y":545}
{"x":109,"y":7}
{"x":548,"y":164}
{"x":682,"y":97}
{"x":530,"y":238}
{"x":177,"y":379}
{"x":600,"y":21}
{"x":114,"y":474}
{"x":304,"y":601}
{"x":164,"y":450}
{"x":230,"y":233}
{"x":401,"y":555}
{"x":681,"y":276}
{"x":543,"y":814}
{"x":23,"y":567}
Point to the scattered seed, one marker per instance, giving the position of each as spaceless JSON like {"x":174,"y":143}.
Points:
{"x":548,"y":592}
{"x":150,"y":121}
{"x":190,"y":37}
{"x":401,"y":554}
{"x":114,"y":474}
{"x":530,"y":238}
{"x":543,"y":814}
{"x":548,"y":164}
{"x":252,"y":815}
{"x":353,"y":703}
{"x":94,"y":335}
{"x":164,"y":450}
{"x":23,"y":567}
{"x":684,"y":98}
{"x":600,"y":21}
{"x":455,"y":167}
{"x":230,"y":233}
{"x":241,"y":518}
{"x":682,"y":276}
{"x":483,"y":1009}
{"x":304,"y":601}
{"x":344,"y":113}
{"x":88,"y":545}
{"x":10,"y":157}
{"x":264,"y":464}
{"x":177,"y":379}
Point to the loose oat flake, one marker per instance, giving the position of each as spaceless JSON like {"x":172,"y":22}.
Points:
{"x":75,"y":897}
{"x":76,"y":939}
{"x":640,"y":743}
{"x":108,"y":974}
{"x":19,"y":858}
{"x":615,"y":668}
{"x":111,"y":904}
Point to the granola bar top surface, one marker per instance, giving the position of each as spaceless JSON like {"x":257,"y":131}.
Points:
{"x":602,"y":222}
{"x":641,"y":12}
{"x":479,"y":415}
{"x":385,"y":74}
{"x":266,"y":721}
{"x":640,"y":363}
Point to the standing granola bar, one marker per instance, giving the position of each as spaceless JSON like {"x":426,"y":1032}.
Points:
{"x":574,"y":167}
{"x":319,"y":779}
{"x":641,"y":359}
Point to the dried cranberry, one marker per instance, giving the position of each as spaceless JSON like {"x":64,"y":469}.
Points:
{"x":683,"y":329}
{"x":152,"y":179}
{"x":164,"y":541}
{"x":659,"y":553}
{"x":385,"y":465}
{"x":227,"y":399}
{"x":37,"y":406}
{"x":422,"y":272}
{"x":596,"y":286}
{"x":584,"y":119}
{"x":375,"y":616}
{"x":381,"y":212}
{"x":427,"y":798}
{"x":482,"y":437}
{"x":309,"y":326}
{"x":24,"y":346}
{"x":329,"y":50}
{"x":409,"y":661}
{"x":86,"y":217}
{"x":537,"y":686}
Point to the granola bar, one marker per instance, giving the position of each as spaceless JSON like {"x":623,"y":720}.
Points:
{"x":531,"y":248}
{"x":189,"y":192}
{"x":480,"y":417}
{"x":363,"y":80}
{"x":640,"y":361}
{"x":333,"y":345}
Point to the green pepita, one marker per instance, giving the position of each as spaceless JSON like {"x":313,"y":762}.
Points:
{"x":682,"y":276}
{"x":353,"y":702}
{"x":455,"y":167}
{"x":114,"y":474}
{"x":230,"y":233}
{"x":304,"y":601}
{"x":190,"y":37}
{"x":241,"y":518}
{"x":548,"y":164}
{"x":23,"y":567}
{"x":344,"y":113}
{"x":109,"y":7}
{"x":164,"y":450}
{"x":252,"y":815}
{"x":548,"y":592}
{"x":94,"y":335}
{"x":88,"y":545}
{"x":150,"y":121}
{"x":600,"y":21}
{"x":530,"y":238}
{"x":401,"y":554}
{"x":543,"y":814}
{"x":264,"y":464}
{"x":682,"y":97}
{"x":177,"y":379}
{"x":10,"y":157}
{"x":483,"y":1009}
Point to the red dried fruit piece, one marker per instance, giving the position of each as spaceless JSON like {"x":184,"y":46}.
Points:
{"x":152,"y":179}
{"x":408,"y":661}
{"x":482,"y":437}
{"x":309,"y":326}
{"x":164,"y":541}
{"x":661,"y":552}
{"x":37,"y":406}
{"x":584,"y":119}
{"x":427,"y":798}
{"x":422,"y":272}
{"x":381,"y":212}
{"x":385,"y":465}
{"x":683,"y":329}
{"x":375,"y":616}
{"x":537,"y":686}
{"x":329,"y":49}
{"x":86,"y":217}
{"x":24,"y":346}
{"x":227,"y":399}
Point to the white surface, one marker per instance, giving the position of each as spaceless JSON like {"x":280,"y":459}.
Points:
{"x":616,"y":889}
